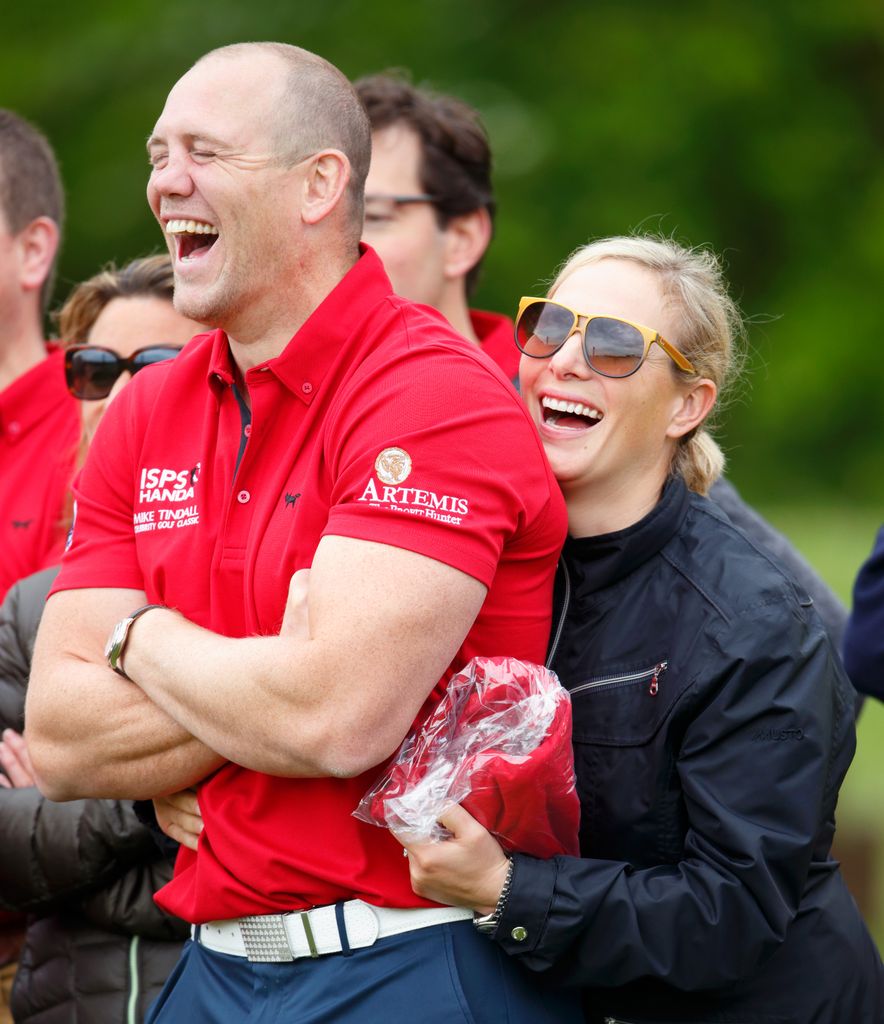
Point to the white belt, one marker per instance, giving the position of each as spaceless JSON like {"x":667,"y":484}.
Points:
{"x":278,"y":938}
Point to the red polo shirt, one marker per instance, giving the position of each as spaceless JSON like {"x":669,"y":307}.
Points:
{"x":497,"y":340}
{"x":377,"y":422}
{"x":39,"y":433}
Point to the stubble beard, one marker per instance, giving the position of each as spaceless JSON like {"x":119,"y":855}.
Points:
{"x":213,"y":305}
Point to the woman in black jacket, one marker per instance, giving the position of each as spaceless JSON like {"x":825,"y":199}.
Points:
{"x":97,"y":949}
{"x":712,"y":721}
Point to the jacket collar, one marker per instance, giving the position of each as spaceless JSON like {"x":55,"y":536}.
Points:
{"x":597,"y":562}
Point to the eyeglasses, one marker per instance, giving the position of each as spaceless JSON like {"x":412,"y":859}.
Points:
{"x":90,"y":371}
{"x":613,"y":347}
{"x":379,"y":208}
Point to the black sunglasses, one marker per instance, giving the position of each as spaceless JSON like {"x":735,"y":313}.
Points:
{"x":91,"y":371}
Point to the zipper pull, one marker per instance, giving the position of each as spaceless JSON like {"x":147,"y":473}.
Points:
{"x":655,"y":678}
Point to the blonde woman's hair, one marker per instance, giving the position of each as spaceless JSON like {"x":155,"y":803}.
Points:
{"x":709,"y":329}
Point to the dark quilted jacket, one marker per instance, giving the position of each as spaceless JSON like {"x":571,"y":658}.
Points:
{"x":97,"y":948}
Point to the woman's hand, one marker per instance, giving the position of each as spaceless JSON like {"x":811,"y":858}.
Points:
{"x":467,"y":870}
{"x":15,"y":761}
{"x":178,"y":815}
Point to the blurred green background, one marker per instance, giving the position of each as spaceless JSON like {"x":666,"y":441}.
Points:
{"x":755,"y":127}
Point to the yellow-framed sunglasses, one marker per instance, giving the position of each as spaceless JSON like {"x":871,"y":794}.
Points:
{"x":612,"y":347}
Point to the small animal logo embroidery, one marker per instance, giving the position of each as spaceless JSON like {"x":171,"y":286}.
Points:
{"x":21,"y":524}
{"x":291,"y":499}
{"x":393,"y":465}
{"x":195,"y":474}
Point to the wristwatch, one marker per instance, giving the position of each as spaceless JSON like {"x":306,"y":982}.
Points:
{"x":116,"y":642}
{"x":487,"y":924}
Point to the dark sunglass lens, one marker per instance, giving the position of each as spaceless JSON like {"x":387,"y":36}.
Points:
{"x":542,"y":328}
{"x":613,"y":348}
{"x":93,"y":372}
{"x":149,"y":356}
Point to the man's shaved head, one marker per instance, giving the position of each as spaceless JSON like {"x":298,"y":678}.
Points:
{"x":319,"y":109}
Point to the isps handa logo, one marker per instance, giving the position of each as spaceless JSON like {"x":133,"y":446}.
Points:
{"x":393,"y":466}
{"x":158,"y":484}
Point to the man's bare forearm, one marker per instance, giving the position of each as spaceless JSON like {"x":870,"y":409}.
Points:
{"x":101,"y":742}
{"x":89,"y":731}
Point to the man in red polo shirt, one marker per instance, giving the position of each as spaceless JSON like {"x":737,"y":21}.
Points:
{"x":429,"y":205}
{"x":325,"y":423}
{"x":39,"y":420}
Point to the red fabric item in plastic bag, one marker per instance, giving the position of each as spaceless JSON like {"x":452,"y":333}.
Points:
{"x":499,"y":743}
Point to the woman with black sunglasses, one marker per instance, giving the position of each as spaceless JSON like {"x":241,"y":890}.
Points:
{"x":97,"y":948}
{"x":712,"y":721}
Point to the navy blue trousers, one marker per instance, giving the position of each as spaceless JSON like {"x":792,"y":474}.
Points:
{"x":444,"y":974}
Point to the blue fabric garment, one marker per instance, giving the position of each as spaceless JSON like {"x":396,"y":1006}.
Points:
{"x":443,"y":974}
{"x":864,"y":636}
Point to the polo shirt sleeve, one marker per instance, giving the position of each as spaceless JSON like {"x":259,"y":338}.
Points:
{"x":101,"y":548}
{"x":433,"y":451}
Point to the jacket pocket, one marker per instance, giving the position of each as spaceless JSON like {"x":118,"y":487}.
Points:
{"x":625,"y":705}
{"x":626,"y":739}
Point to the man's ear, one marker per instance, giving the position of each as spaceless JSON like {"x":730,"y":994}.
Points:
{"x":692,"y":407}
{"x":467,"y":236}
{"x":36,"y":244}
{"x":325,"y":181}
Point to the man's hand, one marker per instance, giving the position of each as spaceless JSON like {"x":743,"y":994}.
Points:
{"x":467,"y":870}
{"x":178,"y":815}
{"x":15,"y":761}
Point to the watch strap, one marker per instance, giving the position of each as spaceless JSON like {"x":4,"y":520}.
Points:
{"x":488,"y":923}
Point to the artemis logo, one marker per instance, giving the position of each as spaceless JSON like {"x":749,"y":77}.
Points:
{"x":412,"y":499}
{"x":167,"y":484}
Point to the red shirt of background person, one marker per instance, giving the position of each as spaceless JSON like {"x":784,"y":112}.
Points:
{"x":429,"y":205}
{"x":39,"y":421}
{"x":430,"y":538}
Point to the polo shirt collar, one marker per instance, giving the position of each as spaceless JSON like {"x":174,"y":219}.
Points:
{"x":304,"y":362}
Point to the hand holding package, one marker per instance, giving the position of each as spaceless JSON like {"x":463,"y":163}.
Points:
{"x":499,"y":743}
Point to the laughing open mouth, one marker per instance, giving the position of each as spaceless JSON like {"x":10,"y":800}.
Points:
{"x":193,"y":238}
{"x":570,"y":415}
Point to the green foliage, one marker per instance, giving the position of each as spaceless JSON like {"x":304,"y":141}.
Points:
{"x":753,"y":127}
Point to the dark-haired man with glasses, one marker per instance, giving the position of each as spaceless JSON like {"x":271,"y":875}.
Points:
{"x":429,"y":204}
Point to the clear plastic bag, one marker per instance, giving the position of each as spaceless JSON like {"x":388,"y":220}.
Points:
{"x":499,"y":743}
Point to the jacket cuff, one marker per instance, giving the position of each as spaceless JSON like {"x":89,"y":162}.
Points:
{"x":146,"y":814}
{"x":526,"y":910}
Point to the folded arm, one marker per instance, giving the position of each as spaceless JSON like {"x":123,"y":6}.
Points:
{"x":384,"y":625}
{"x":89,"y":732}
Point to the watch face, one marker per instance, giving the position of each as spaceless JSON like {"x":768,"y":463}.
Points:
{"x":117,"y":634}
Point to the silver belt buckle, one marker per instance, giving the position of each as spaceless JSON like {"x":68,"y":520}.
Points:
{"x":265,"y":939}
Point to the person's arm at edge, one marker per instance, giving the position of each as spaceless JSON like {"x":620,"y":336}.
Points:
{"x":864,"y":635}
